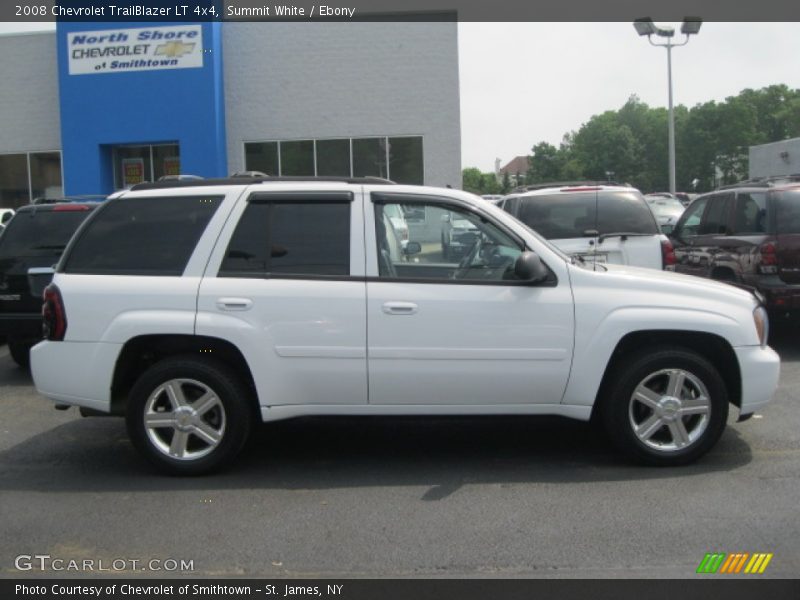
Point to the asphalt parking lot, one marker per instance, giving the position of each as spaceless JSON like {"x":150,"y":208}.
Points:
{"x":492,"y":497}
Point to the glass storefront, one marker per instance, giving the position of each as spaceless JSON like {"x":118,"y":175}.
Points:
{"x":147,"y":162}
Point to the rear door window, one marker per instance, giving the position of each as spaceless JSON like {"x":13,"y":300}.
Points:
{"x":141,"y":236}
{"x":788,"y":217}
{"x":750,"y":213}
{"x":575,"y":215}
{"x":302,"y":237}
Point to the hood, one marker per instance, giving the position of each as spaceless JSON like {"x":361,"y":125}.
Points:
{"x":691,"y":286}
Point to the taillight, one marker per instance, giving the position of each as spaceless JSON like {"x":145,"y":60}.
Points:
{"x":54,"y":318}
{"x":667,"y":254}
{"x":769,"y":258}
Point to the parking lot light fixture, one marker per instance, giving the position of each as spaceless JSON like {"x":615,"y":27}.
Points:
{"x":690,"y":26}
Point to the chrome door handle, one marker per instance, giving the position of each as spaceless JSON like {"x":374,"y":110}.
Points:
{"x":400,"y":308}
{"x":234,"y":303}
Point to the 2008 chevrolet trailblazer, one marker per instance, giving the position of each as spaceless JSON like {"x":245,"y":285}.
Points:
{"x":195,"y":308}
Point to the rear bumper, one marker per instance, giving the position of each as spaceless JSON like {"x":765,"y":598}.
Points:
{"x":76,"y":373}
{"x":21,"y":325}
{"x":779,"y":296}
{"x":760,"y":369}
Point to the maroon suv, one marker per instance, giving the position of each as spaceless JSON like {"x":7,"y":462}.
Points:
{"x":748,"y":233}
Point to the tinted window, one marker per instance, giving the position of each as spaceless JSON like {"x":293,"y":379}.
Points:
{"x":142,"y":236}
{"x":293,"y":238}
{"x":789,"y":212}
{"x":716,"y":221}
{"x":690,"y":222}
{"x":750,"y":214}
{"x":40,"y":233}
{"x":566,"y":215}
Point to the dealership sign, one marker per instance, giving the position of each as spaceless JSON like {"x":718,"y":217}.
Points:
{"x":147,"y":49}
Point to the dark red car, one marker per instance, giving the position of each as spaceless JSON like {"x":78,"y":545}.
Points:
{"x":747,"y":233}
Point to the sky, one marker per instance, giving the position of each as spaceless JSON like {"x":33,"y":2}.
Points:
{"x":523,"y":83}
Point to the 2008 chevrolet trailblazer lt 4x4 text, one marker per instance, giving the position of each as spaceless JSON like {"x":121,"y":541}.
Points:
{"x":195,"y":308}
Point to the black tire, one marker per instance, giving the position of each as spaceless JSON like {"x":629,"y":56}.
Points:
{"x":231,"y":418}
{"x":666,"y":446}
{"x":21,"y":352}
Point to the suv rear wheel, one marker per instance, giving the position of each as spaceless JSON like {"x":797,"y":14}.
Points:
{"x":189,"y":416}
{"x":668,"y":407}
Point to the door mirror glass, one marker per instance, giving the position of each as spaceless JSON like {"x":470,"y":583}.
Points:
{"x":529,"y":267}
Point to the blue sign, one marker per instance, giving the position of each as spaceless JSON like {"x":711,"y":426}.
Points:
{"x":139,"y":84}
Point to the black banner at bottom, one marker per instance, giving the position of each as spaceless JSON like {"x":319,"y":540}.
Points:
{"x":401,"y":589}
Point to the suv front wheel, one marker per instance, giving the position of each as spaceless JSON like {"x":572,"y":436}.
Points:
{"x":189,"y":416}
{"x":667,"y":407}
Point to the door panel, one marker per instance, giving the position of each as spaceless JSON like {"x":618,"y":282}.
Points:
{"x":288,"y":291}
{"x":456,"y":327}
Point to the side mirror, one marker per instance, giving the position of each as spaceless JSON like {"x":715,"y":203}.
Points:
{"x":529,"y":267}
{"x":412,"y":248}
{"x":446,"y":218}
{"x":6,"y":217}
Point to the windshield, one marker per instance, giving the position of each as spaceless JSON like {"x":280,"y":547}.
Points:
{"x":575,"y":215}
{"x":40,"y":233}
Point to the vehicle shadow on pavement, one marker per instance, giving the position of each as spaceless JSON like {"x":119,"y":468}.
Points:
{"x":441,"y":454}
{"x":784,"y":338}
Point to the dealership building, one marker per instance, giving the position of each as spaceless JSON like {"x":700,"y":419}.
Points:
{"x":96,"y":107}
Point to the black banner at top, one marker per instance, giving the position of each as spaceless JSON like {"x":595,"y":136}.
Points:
{"x":395,"y":10}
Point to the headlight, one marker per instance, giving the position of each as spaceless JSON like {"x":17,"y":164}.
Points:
{"x":762,"y":324}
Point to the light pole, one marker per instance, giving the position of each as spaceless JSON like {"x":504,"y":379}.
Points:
{"x":690,"y":26}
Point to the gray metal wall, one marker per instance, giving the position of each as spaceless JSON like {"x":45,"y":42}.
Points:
{"x":287,"y":81}
{"x":778,"y":158}
{"x":29,"y":110}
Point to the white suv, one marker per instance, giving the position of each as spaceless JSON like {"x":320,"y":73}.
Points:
{"x":594,"y":222}
{"x":197,"y":308}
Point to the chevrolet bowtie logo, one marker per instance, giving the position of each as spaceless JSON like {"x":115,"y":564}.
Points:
{"x":174,"y":49}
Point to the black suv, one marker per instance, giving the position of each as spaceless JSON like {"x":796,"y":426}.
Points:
{"x":33,"y":239}
{"x":748,"y":233}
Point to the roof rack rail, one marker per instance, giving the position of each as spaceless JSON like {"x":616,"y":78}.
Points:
{"x":769,"y":181}
{"x":247,"y":180}
{"x":548,"y":184}
{"x":84,"y":198}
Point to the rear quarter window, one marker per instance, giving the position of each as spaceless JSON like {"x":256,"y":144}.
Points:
{"x":40,"y":232}
{"x":141,"y":236}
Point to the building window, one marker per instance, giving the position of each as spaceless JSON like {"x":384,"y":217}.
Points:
{"x":262,"y":156}
{"x":297,"y":158}
{"x":26,"y":176}
{"x":398,"y":158}
{"x":138,"y":164}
